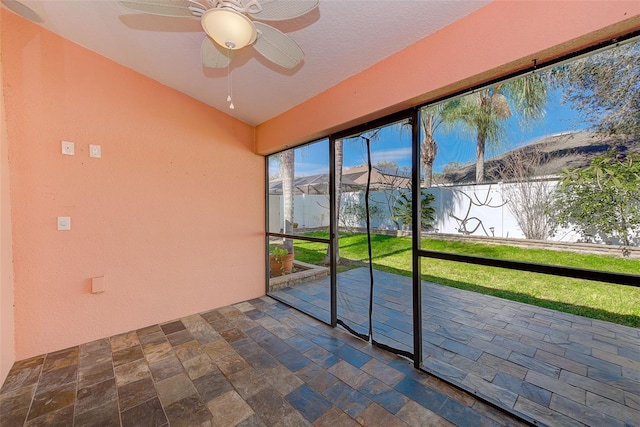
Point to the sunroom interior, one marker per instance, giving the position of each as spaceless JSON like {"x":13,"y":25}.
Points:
{"x":173,"y":220}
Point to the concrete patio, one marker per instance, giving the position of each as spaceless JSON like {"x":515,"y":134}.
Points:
{"x":547,"y":366}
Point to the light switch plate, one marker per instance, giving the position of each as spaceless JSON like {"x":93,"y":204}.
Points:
{"x":68,"y":148}
{"x":95,"y":151}
{"x":64,"y":223}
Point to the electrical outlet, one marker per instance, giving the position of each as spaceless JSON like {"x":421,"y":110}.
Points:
{"x":95,"y":151}
{"x":64,"y":223}
{"x":68,"y":148}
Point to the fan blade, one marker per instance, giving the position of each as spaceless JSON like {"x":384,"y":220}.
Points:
{"x":277,"y":47}
{"x":279,"y":10}
{"x":173,"y":8}
{"x":212,"y":55}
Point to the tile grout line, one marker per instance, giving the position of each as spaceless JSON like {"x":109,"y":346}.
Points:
{"x":75,"y":399}
{"x":35,"y":389}
{"x":115,"y":383}
{"x":153,"y":380}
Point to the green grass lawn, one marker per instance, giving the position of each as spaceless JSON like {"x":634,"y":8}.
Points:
{"x":614,"y":303}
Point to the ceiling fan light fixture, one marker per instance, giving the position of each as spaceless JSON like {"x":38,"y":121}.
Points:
{"x":228,"y":28}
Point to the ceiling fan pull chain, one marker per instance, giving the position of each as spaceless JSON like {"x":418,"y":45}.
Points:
{"x":229,"y":84}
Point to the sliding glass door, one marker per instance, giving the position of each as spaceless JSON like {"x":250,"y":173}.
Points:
{"x":298,"y":244}
{"x":339,"y":225}
{"x":374,"y":221}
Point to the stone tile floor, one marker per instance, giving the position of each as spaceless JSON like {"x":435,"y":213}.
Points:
{"x":550,"y":367}
{"x":257,"y":363}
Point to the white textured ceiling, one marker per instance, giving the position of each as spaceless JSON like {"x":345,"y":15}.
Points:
{"x":340,"y":38}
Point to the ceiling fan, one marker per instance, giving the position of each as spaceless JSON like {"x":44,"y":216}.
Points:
{"x":230,"y":26}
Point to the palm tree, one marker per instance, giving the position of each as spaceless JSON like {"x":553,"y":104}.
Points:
{"x":287,"y":166}
{"x":431,"y":118}
{"x":429,"y":147}
{"x":339,"y":155}
{"x":484,"y":112}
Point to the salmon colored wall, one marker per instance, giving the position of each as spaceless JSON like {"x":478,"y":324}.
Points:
{"x":500,"y":38}
{"x":7,"y":342}
{"x":170,"y":215}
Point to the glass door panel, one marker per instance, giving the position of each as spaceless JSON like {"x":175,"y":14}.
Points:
{"x":374,"y":269}
{"x":298,"y":229}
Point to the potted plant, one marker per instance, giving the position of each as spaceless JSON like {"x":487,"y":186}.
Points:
{"x":280,"y":261}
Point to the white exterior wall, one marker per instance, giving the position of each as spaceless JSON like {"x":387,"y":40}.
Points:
{"x":488,"y":207}
{"x":275,"y":213}
{"x":312,"y":210}
{"x":309,"y":211}
{"x":485,"y":202}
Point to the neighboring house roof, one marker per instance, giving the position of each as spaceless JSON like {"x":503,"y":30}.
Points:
{"x":311,"y":184}
{"x":545,"y":157}
{"x":381,"y":178}
{"x":353,"y":179}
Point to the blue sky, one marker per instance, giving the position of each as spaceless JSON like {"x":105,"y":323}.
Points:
{"x":393,"y":144}
{"x":456,"y":147}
